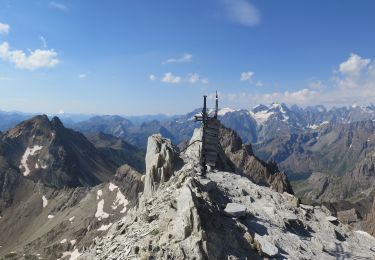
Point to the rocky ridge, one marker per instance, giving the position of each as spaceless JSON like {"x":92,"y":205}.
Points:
{"x":224,"y":216}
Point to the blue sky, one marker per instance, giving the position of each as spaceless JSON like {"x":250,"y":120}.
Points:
{"x":145,"y":57}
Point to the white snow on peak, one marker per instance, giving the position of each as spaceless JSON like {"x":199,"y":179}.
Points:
{"x":262,"y":116}
{"x":315,"y":126}
{"x":224,"y":111}
{"x":45,"y":201}
{"x":29,"y":152}
{"x":104,"y":227}
{"x":100,"y":214}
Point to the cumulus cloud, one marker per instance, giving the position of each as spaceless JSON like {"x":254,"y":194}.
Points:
{"x":187,"y":57}
{"x":354,"y":65}
{"x":194,"y":78}
{"x":34,"y":60}
{"x":353,"y":83}
{"x":171,"y":79}
{"x":152,"y":77}
{"x":58,"y":6}
{"x":4,"y":28}
{"x":246,"y":76}
{"x":241,"y":12}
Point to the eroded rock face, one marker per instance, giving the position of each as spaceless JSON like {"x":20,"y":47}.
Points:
{"x":241,"y":159}
{"x":129,"y":181}
{"x":160,"y":162}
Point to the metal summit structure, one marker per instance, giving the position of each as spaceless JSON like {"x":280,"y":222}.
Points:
{"x":210,"y":135}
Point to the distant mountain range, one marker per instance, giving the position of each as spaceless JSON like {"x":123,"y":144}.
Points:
{"x":302,"y":141}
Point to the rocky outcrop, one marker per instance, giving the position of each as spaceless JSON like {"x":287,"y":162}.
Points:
{"x":130,"y":182}
{"x":161,"y":160}
{"x":240,"y":159}
{"x":187,"y":218}
{"x":349,"y":216}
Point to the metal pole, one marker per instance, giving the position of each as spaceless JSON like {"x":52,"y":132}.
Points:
{"x":216,"y":106}
{"x":204,"y":121}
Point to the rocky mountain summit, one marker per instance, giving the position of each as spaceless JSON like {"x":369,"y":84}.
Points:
{"x":244,"y":207}
{"x":43,"y":149}
{"x":182,"y":215}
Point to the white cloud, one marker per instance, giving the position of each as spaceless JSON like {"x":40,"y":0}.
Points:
{"x":205,"y":81}
{"x":82,"y":75}
{"x":194,"y":78}
{"x":58,"y":6}
{"x":44,"y":42}
{"x":354,"y":65}
{"x":4,"y":28}
{"x":61,"y":112}
{"x":241,"y":12}
{"x":354,"y":83}
{"x":246,"y":76}
{"x":152,"y":77}
{"x":35,"y":60}
{"x":170,"y":78}
{"x":259,"y":84}
{"x":187,"y":57}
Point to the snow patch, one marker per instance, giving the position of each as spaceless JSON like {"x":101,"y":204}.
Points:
{"x":63,"y":241}
{"x":73,"y":242}
{"x":262,"y":116}
{"x":224,"y":111}
{"x":120,"y":198}
{"x":45,"y":201}
{"x":104,"y":227}
{"x":29,"y":152}
{"x":51,"y":216}
{"x":112,"y":186}
{"x":100,"y":214}
{"x":71,"y":219}
{"x":99,"y":193}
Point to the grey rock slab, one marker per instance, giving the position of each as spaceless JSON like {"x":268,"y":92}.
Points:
{"x":267,"y":247}
{"x":331,"y":219}
{"x":235,"y":210}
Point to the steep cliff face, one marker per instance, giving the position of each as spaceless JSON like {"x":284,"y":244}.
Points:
{"x":356,"y":184}
{"x":244,"y":162}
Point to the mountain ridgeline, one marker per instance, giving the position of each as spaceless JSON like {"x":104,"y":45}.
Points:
{"x":69,"y":190}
